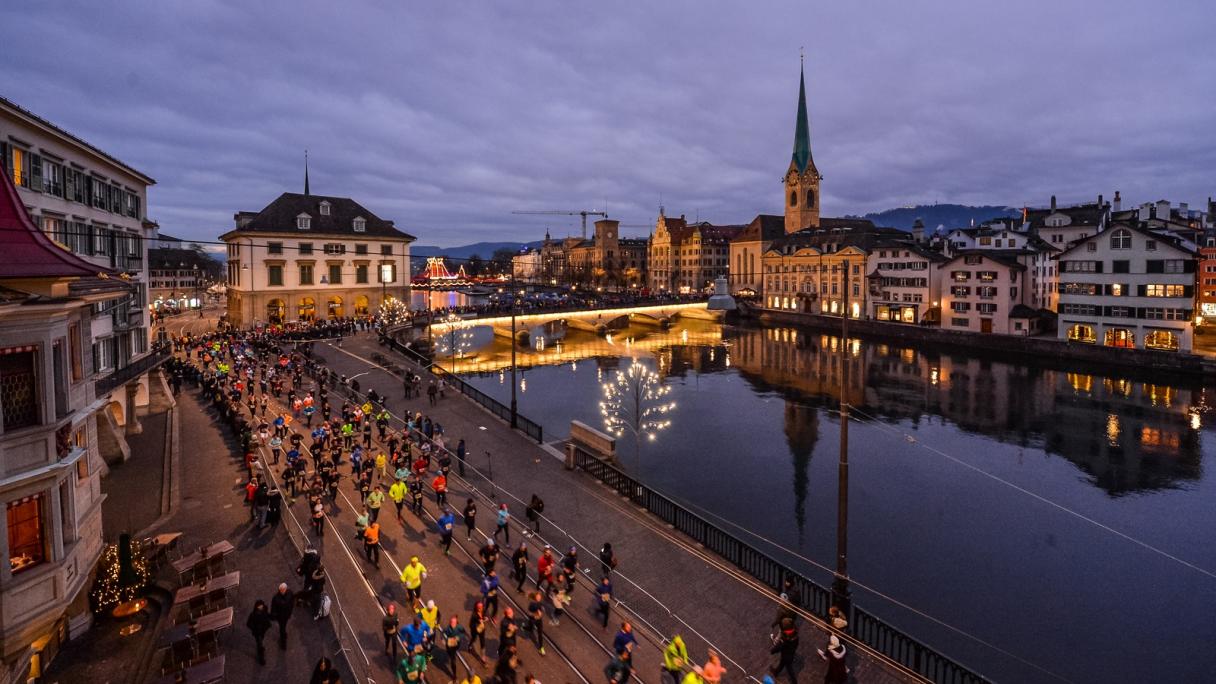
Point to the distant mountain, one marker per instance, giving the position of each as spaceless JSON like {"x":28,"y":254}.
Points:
{"x":934,"y":215}
{"x":482,"y":249}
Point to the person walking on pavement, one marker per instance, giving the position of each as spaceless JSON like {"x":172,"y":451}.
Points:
{"x":452,"y":634}
{"x":838,"y":671}
{"x":624,"y":641}
{"x":519,"y":566}
{"x":396,"y":492}
{"x":785,"y":646}
{"x":375,"y":499}
{"x":503,"y":517}
{"x":371,"y":543}
{"x":470,"y":519}
{"x":412,"y":575}
{"x":259,"y":624}
{"x":675,"y":657}
{"x":535,"y":508}
{"x":324,"y":672}
{"x":280,"y":609}
{"x":508,"y":631}
{"x":536,"y":619}
{"x":460,"y":454}
{"x":603,"y":599}
{"x":608,"y":561}
{"x":619,"y":670}
{"x":477,"y":631}
{"x":389,"y":626}
{"x":489,"y":593}
{"x":446,"y":522}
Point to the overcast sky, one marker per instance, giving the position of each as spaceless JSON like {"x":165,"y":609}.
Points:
{"x":445,"y":117}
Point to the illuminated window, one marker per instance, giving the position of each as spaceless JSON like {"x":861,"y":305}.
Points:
{"x":1082,"y":333}
{"x":19,"y":167}
{"x":1163,"y":340}
{"x":26,"y":540}
{"x":1121,"y":338}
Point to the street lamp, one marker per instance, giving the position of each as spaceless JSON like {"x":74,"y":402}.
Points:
{"x":386,"y":274}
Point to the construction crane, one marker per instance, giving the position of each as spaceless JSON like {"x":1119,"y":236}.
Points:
{"x":583,"y":214}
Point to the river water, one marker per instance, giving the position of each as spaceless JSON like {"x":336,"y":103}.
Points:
{"x":1064,"y":516}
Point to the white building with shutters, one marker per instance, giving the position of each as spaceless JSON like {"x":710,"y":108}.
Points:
{"x":1128,"y":287}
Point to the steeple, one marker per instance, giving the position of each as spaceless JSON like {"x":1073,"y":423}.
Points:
{"x":802,"y":128}
{"x":305,"y":172}
{"x":801,"y":179}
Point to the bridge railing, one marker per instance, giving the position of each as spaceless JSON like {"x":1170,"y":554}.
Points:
{"x":810,"y":595}
{"x":527,"y":426}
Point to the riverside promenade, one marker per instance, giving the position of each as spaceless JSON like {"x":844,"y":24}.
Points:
{"x":665,"y":584}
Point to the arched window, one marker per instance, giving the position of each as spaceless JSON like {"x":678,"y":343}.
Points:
{"x":1081,"y":333}
{"x":361,"y":305}
{"x":810,"y":199}
{"x":275,"y":310}
{"x":1121,"y":239}
{"x":335,"y":307}
{"x":307,"y":309}
{"x":794,"y":198}
{"x":1121,"y":338}
{"x":1164,"y":340}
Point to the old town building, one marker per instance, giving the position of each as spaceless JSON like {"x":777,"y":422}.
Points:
{"x":311,"y":256}
{"x":51,"y":416}
{"x":688,"y":257}
{"x":179,"y":276}
{"x":93,"y":205}
{"x":1128,"y":287}
{"x":985,"y":291}
{"x":747,"y":250}
{"x":904,"y":282}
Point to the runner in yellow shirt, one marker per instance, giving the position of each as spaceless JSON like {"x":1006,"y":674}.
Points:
{"x":412,"y":575}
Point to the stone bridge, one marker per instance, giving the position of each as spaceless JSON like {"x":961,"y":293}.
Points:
{"x":597,"y":321}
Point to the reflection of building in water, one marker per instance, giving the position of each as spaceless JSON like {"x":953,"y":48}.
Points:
{"x":801,"y":433}
{"x":1126,"y":435}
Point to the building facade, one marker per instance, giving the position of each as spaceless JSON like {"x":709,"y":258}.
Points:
{"x":50,"y":462}
{"x":980,"y":291}
{"x":746,"y":275}
{"x":813,"y":279}
{"x":904,"y":283}
{"x":94,"y":206}
{"x":526,"y":266}
{"x":178,"y":278}
{"x":1128,"y":287}
{"x":307,"y":257}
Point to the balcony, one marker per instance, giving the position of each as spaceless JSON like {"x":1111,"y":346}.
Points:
{"x":133,"y":370}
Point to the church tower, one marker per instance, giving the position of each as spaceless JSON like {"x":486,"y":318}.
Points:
{"x":802,"y":178}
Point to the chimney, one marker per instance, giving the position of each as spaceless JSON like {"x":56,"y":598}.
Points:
{"x":1053,"y":202}
{"x":1163,"y":210}
{"x":1146,"y":211}
{"x":1184,"y":209}
{"x":1100,"y":200}
{"x":1118,"y":205}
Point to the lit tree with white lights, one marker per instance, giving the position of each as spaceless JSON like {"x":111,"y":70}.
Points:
{"x":456,"y":338}
{"x":393,"y":312}
{"x":635,"y":402}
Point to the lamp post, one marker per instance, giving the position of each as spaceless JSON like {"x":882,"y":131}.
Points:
{"x":386,"y":273}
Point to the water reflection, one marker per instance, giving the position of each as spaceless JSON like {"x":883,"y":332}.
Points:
{"x":1125,"y":435}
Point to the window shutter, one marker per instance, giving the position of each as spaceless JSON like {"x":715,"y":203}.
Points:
{"x":1098,"y":266}
{"x":4,"y":158}
{"x":1188,"y":266}
{"x":1106,"y":289}
{"x":1142,"y":290}
{"x":35,"y":173}
{"x":1188,"y":290}
{"x":1140,"y":312}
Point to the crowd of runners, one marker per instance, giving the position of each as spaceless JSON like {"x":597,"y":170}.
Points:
{"x":307,"y":433}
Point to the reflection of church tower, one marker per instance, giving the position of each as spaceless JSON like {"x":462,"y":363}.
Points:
{"x":802,"y":178}
{"x":801,"y":432}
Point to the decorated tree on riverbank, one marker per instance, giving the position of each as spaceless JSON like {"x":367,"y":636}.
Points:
{"x":393,"y":312}
{"x":635,"y":402}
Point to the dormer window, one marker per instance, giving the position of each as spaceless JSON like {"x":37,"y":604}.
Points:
{"x":360,"y":224}
{"x":325,"y":208}
{"x":303,"y":222}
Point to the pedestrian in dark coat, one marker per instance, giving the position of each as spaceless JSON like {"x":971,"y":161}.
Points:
{"x":259,"y":624}
{"x":280,"y":609}
{"x":838,"y":671}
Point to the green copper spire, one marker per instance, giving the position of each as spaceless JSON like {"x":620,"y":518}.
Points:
{"x":802,"y":132}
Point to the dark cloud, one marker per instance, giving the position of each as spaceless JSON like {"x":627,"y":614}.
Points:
{"x":446,"y":117}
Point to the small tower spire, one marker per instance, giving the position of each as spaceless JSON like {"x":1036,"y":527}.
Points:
{"x":802,"y":129}
{"x":305,"y":172}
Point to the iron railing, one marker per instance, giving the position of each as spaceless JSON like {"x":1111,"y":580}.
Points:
{"x":529,"y":427}
{"x":133,"y":370}
{"x":810,"y":595}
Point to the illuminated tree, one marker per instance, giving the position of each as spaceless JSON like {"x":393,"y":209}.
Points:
{"x":456,"y":338}
{"x":393,"y":312}
{"x":635,"y":402}
{"x":122,"y":574}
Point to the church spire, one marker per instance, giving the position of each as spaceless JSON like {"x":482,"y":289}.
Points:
{"x":802,"y":130}
{"x":305,"y":172}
